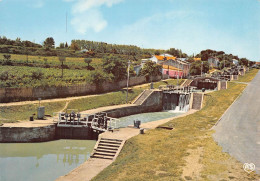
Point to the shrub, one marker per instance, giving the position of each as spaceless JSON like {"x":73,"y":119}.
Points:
{"x":4,"y":76}
{"x":37,"y":75}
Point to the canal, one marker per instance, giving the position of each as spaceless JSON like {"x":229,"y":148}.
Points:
{"x":42,"y":161}
{"x":49,"y":160}
{"x":146,"y":117}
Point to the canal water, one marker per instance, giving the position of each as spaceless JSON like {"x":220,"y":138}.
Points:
{"x":42,"y":161}
{"x":146,"y":117}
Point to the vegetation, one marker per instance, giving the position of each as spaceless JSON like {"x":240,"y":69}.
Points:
{"x":222,"y":56}
{"x":49,"y":43}
{"x":16,"y":76}
{"x":115,"y":67}
{"x":23,"y":112}
{"x":151,"y":69}
{"x":195,"y":68}
{"x":161,"y":154}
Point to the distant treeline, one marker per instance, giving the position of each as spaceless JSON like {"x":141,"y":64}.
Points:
{"x":222,"y":56}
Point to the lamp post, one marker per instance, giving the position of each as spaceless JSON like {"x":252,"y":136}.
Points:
{"x":127,"y":82}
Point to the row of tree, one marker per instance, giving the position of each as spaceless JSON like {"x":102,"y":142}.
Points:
{"x":223,"y":57}
{"x":18,"y":42}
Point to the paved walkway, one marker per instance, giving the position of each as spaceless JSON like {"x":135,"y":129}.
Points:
{"x":94,"y":166}
{"x":238,"y":132}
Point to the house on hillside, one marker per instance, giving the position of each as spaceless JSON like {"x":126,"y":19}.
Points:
{"x":162,"y":57}
{"x":137,"y":69}
{"x":213,"y":61}
{"x":197,"y":59}
{"x":175,"y":68}
{"x":235,"y":62}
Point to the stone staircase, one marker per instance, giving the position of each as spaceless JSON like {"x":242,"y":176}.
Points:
{"x":187,"y":83}
{"x":142,"y":97}
{"x":107,"y":148}
{"x":197,"y":101}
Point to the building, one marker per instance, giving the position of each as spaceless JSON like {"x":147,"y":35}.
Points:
{"x":213,"y":61}
{"x":161,"y":58}
{"x":171,"y":66}
{"x":177,"y":67}
{"x":171,"y":71}
{"x":137,"y":69}
{"x":235,"y":62}
{"x":197,"y":59}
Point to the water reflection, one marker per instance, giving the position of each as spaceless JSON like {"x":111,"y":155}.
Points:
{"x":42,"y":161}
{"x":146,"y":117}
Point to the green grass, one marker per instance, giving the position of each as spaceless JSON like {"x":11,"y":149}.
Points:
{"x":23,"y":112}
{"x":160,"y":154}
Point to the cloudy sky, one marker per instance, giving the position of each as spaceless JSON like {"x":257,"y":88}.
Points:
{"x":191,"y":25}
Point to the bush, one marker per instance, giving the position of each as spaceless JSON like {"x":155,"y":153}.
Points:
{"x":4,"y":76}
{"x":37,"y":75}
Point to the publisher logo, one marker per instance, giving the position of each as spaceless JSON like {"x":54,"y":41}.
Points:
{"x":249,"y":167}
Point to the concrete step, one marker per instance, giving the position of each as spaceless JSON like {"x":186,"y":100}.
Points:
{"x":110,"y":142}
{"x":102,"y":139}
{"x":107,"y":148}
{"x":102,"y":157}
{"x":143,"y":97}
{"x":108,"y":145}
{"x":103,"y":154}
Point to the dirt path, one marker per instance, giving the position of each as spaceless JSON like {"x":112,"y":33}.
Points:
{"x":63,"y":99}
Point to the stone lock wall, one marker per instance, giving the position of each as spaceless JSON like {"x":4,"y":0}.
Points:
{"x":27,"y":134}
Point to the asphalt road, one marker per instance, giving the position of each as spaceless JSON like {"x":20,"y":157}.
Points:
{"x":238,"y":132}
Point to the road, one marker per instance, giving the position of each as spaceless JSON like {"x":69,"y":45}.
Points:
{"x":238,"y":132}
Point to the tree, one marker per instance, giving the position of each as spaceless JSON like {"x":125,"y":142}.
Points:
{"x":195,"y":68}
{"x":74,"y":46}
{"x":66,"y":45}
{"x":7,"y":60}
{"x":62,"y":59}
{"x":115,"y":66}
{"x":225,"y":63}
{"x":49,"y":42}
{"x":157,"y":52}
{"x":62,"y":45}
{"x":98,"y":77}
{"x":151,"y":69}
{"x":88,"y":61}
{"x":7,"y":57}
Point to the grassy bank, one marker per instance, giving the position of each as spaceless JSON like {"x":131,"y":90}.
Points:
{"x":188,"y":152}
{"x":22,"y":112}
{"x":249,"y":76}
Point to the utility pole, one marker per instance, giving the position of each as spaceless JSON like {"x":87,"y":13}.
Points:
{"x":178,"y":74}
{"x":127,"y":82}
{"x":201,"y":68}
{"x":66,"y":21}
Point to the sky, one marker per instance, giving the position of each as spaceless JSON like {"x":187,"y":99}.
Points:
{"x":232,"y":26}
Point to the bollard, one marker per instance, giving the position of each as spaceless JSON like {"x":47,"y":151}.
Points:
{"x":31,"y":118}
{"x":141,"y":130}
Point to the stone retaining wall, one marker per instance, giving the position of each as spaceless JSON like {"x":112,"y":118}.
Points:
{"x":22,"y":94}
